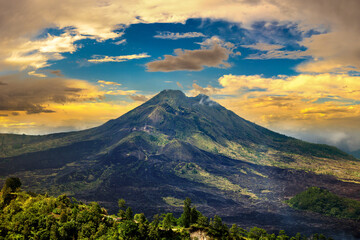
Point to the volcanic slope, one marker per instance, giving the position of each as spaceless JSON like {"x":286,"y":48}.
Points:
{"x":174,"y":146}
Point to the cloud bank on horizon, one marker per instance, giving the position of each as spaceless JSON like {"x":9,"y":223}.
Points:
{"x":291,"y":65}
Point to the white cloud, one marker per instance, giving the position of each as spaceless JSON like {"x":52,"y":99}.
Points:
{"x":120,"y":42}
{"x":264,"y":46}
{"x":123,"y":58}
{"x":272,"y":51}
{"x":175,"y":36}
{"x":37,"y":53}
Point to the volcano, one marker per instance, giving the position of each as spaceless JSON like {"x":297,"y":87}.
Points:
{"x":173,"y":147}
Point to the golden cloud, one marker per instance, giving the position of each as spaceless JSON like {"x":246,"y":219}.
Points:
{"x":315,"y":107}
{"x":34,"y":95}
{"x":109,"y":83}
{"x":66,"y":117}
{"x":295,"y":98}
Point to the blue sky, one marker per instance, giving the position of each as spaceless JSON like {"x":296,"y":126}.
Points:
{"x":140,"y":38}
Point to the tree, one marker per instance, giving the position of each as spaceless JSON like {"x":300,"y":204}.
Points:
{"x":122,"y":203}
{"x":203,"y":221}
{"x":194,"y":214}
{"x":154,"y":229}
{"x":156,"y":220}
{"x":282,"y":235}
{"x":236,"y":232}
{"x":257,"y":233}
{"x":185,"y":217}
{"x":129,"y":213}
{"x":140,"y":218}
{"x":168,"y":221}
{"x":13,"y":183}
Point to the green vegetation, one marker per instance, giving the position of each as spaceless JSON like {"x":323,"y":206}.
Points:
{"x":26,"y":215}
{"x":322,"y":201}
{"x":195,"y":173}
{"x":175,"y":202}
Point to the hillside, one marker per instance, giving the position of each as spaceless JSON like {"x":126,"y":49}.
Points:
{"x":325,"y":202}
{"x":173,"y":147}
{"x":33,"y":216}
{"x":199,"y":121}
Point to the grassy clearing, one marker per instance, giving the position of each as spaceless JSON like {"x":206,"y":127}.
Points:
{"x":195,"y":173}
{"x":175,"y":202}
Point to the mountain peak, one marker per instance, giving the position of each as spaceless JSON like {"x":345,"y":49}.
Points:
{"x":169,"y":96}
{"x":170,"y":93}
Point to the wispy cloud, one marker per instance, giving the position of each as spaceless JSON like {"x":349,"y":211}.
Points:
{"x":35,"y":74}
{"x":179,"y":85}
{"x":57,"y":73}
{"x":120,"y":92}
{"x":109,"y":83}
{"x":264,"y":46}
{"x":273,"y":51}
{"x":138,"y":98}
{"x":175,"y":36}
{"x":123,"y":58}
{"x":120,"y":42}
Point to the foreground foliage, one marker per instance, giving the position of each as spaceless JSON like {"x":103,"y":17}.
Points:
{"x":26,"y":215}
{"x":323,"y":201}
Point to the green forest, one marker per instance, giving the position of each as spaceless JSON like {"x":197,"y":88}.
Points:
{"x":323,"y":201}
{"x":27,"y":215}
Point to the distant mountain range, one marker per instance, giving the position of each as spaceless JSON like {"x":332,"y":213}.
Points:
{"x":173,"y":147}
{"x":356,"y":153}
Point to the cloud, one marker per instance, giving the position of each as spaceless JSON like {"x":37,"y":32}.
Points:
{"x":175,"y":36}
{"x":300,"y":106}
{"x":35,"y":95}
{"x":272,"y":51}
{"x":264,"y":46}
{"x":179,"y":85}
{"x":123,"y":58}
{"x":122,"y":41}
{"x":275,"y":54}
{"x":67,"y":117}
{"x":57,"y":73}
{"x":139,"y":98}
{"x":109,"y":83}
{"x":336,"y":49}
{"x":35,"y":74}
{"x":213,"y":53}
{"x":36,"y":54}
{"x":120,"y":92}
{"x":209,"y":90}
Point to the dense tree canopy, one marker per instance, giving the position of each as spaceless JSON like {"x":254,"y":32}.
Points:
{"x":33,"y":216}
{"x":320,"y":200}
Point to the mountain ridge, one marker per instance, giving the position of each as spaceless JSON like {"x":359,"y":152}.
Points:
{"x":196,"y":120}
